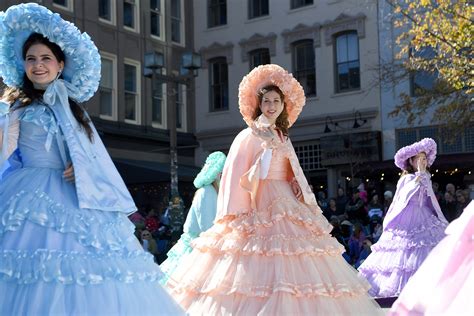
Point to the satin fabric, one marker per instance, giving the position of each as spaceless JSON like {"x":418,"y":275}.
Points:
{"x":248,"y":158}
{"x":202,"y":212}
{"x":98,"y":183}
{"x":57,"y":258}
{"x":276,"y":259}
{"x":413,"y":226}
{"x":444,"y":284}
{"x":407,"y":187}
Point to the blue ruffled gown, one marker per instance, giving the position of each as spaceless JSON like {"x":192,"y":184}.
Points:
{"x":58,"y":259}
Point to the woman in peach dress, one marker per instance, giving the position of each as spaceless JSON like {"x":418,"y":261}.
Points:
{"x":269,"y":251}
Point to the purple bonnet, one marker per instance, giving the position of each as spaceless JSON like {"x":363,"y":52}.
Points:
{"x":426,"y":145}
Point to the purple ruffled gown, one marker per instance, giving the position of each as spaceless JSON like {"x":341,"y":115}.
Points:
{"x":414,"y":225}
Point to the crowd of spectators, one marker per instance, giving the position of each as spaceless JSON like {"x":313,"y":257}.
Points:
{"x":154,"y":230}
{"x":357,"y":219}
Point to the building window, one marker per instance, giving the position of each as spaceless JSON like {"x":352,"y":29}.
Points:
{"x":469,"y":138}
{"x":157,"y":18}
{"x":422,"y":81}
{"x":259,"y":57}
{"x":304,"y":66}
{"x":309,"y":156}
{"x":347,"y":62}
{"x":132,"y":91}
{"x":130,"y":15}
{"x":218,"y":84}
{"x":216,"y":12}
{"x":64,"y":4}
{"x":177,"y":14}
{"x":431,"y":132}
{"x":452,"y":146}
{"x":107,"y":11}
{"x":181,"y":108}
{"x":462,"y":142}
{"x":158,"y":111}
{"x":108,"y":87}
{"x":258,"y":8}
{"x":406,"y":137}
{"x":300,"y":3}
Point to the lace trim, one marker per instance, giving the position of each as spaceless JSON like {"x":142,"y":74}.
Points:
{"x":433,"y":221}
{"x":387,"y":270}
{"x":100,"y":232}
{"x":25,"y":267}
{"x":299,"y":290}
{"x":405,"y":244}
{"x":269,"y":246}
{"x":279,"y":209}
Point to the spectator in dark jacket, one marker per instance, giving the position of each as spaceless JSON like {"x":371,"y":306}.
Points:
{"x":341,"y":200}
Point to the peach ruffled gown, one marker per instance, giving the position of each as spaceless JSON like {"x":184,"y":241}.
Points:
{"x":276,"y":258}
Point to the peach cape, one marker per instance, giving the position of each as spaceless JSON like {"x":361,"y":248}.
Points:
{"x":247,"y":157}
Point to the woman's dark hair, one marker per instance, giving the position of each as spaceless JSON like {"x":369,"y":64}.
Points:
{"x":28,"y":93}
{"x":282,"y":120}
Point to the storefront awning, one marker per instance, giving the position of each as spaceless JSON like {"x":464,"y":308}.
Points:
{"x":139,"y":171}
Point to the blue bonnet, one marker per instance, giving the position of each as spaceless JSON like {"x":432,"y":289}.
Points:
{"x":82,"y":66}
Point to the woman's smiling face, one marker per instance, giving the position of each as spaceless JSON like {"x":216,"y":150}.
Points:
{"x":271,"y":105}
{"x":41,"y":66}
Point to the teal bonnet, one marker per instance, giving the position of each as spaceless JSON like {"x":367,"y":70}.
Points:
{"x":213,"y":166}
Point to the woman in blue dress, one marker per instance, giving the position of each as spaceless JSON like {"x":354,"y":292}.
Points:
{"x":201,"y":214}
{"x":66,"y":244}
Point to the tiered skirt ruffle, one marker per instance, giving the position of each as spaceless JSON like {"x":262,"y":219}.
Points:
{"x":277,"y":260}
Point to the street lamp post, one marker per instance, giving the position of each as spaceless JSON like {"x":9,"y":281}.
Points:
{"x":190,"y":63}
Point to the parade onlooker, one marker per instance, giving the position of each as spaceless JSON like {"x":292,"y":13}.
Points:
{"x":376,"y":228}
{"x":331,"y":210}
{"x":355,"y":209}
{"x":355,"y":243}
{"x":365,"y":251}
{"x":388,"y":197}
{"x":374,"y":207}
{"x":322,"y":200}
{"x":341,"y":200}
{"x":451,"y":189}
{"x":449,"y":207}
{"x":148,"y":243}
{"x":462,"y":198}
{"x":438,"y":194}
{"x":362,"y":192}
{"x":337,"y":232}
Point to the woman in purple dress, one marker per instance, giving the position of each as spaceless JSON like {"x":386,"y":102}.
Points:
{"x":414,"y":224}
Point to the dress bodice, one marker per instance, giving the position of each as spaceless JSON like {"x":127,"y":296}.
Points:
{"x":41,"y":143}
{"x":280,"y":164}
